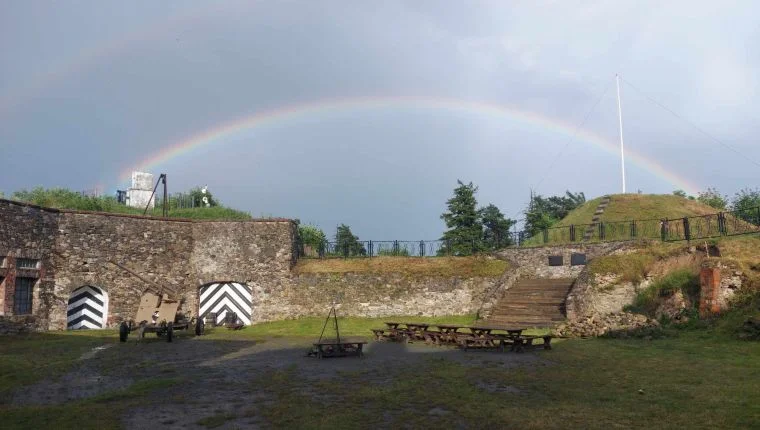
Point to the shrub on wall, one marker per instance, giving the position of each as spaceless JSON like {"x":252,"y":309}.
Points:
{"x":647,"y":301}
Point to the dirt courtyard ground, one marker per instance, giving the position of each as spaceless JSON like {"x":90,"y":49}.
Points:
{"x":228,"y":383}
{"x":260,"y":377}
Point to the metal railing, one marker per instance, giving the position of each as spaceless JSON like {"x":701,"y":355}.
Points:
{"x":728,"y":223}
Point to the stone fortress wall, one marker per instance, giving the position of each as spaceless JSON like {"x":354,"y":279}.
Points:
{"x":125,"y":255}
{"x":59,"y":254}
{"x":122,"y":256}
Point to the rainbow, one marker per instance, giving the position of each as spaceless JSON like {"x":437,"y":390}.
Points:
{"x":281,"y":116}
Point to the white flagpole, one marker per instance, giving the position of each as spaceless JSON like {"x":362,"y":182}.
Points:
{"x":620,"y":119}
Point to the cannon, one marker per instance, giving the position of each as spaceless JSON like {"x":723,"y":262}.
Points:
{"x":158,"y":314}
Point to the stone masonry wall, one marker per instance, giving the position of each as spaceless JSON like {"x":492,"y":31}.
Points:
{"x":538,"y":257}
{"x":25,"y":232}
{"x":125,"y":255}
{"x":374,"y":295}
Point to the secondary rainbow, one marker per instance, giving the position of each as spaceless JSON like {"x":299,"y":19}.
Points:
{"x":247,"y":125}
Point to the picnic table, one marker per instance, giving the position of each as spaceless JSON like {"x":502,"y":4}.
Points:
{"x":448,"y":332}
{"x":343,"y":347}
{"x":391,"y":332}
{"x":483,"y":337}
{"x":476,"y":336}
{"x":415,"y":331}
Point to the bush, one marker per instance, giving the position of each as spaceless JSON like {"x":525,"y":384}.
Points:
{"x":391,"y":252}
{"x":684,"y":280}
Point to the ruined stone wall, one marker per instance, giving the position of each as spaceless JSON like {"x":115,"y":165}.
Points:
{"x":374,"y":295}
{"x":259,"y":254}
{"x":119,"y":254}
{"x":126,"y":255}
{"x":538,"y":258}
{"x":25,"y":232}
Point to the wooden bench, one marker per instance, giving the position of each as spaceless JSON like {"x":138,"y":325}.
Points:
{"x":526,"y":342}
{"x":433,"y":337}
{"x":483,"y":342}
{"x":382,"y":334}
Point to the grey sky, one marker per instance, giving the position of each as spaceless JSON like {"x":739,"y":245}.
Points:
{"x":89,"y":88}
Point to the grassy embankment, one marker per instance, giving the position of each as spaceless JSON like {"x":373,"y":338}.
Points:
{"x":65,"y":199}
{"x":464,"y":267}
{"x":646,"y":209}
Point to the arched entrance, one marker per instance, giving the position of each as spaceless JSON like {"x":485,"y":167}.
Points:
{"x":223,"y":297}
{"x":87,"y":309}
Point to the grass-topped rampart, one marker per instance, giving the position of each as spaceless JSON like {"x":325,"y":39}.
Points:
{"x":464,"y":267}
{"x":60,"y":198}
{"x":627,"y":207}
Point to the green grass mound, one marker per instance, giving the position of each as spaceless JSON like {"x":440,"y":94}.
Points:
{"x":60,"y":198}
{"x":627,"y":207}
{"x":646,"y":209}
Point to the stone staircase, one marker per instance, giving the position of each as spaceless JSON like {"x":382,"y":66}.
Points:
{"x":532,"y":303}
{"x":595,"y":220}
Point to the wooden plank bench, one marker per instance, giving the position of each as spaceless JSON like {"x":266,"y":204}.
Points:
{"x":483,"y":342}
{"x":433,"y":337}
{"x":526,"y":342}
{"x":383,"y":334}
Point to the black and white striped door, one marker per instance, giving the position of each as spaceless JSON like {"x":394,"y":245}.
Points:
{"x":88,"y":308}
{"x":226,"y":297}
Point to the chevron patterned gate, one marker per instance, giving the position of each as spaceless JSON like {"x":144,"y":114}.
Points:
{"x":88,"y":308}
{"x":226,"y":297}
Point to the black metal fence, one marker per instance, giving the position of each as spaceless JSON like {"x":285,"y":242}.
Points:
{"x":400,"y":248}
{"x":181,"y":201}
{"x":729,"y":223}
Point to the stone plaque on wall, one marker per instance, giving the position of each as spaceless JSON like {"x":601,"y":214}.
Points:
{"x":555,"y":260}
{"x":577,"y":259}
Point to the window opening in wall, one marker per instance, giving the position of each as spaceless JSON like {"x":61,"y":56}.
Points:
{"x":27,"y":263}
{"x":22,"y":299}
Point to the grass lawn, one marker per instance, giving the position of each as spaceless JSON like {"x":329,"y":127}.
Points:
{"x":690,"y":379}
{"x":311,"y":327}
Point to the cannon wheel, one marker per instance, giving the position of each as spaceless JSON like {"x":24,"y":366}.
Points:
{"x":123,"y":331}
{"x":200,"y":327}
{"x":169,"y":332}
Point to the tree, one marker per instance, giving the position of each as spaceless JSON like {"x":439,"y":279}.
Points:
{"x":346,"y":243}
{"x":465,"y":230}
{"x":543,"y":212}
{"x":713,"y":198}
{"x":495,"y":227}
{"x":197,"y":195}
{"x":311,"y":237}
{"x":745,"y":204}
{"x":679,"y":193}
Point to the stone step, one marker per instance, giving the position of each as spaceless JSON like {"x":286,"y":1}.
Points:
{"x":549,"y":289}
{"x":526,"y":323}
{"x":543,"y":317}
{"x":526,"y":295}
{"x":533,"y":303}
{"x":557,"y":281}
{"x":527,"y":317}
{"x":532,"y":297}
{"x":538,"y":307}
{"x":538,"y":301}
